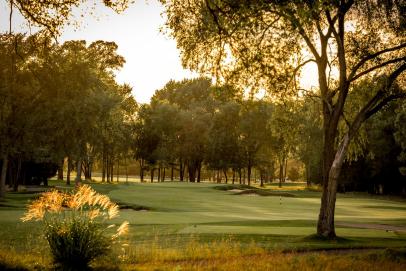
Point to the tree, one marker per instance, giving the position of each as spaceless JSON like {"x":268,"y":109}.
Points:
{"x":400,"y":136}
{"x":253,"y":131}
{"x":54,"y":14}
{"x":194,"y":104}
{"x":65,"y":89}
{"x":223,"y":151}
{"x":246,"y":42}
{"x":309,"y":137}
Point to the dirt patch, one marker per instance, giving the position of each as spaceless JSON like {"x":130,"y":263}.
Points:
{"x":373,"y":226}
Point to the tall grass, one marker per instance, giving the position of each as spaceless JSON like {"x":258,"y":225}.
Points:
{"x":226,"y":254}
{"x":74,"y":225}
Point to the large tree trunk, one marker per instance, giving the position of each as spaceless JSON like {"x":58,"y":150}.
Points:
{"x":325,"y":224}
{"x":3,"y":175}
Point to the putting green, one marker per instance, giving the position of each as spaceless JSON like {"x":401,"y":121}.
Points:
{"x":199,"y":208}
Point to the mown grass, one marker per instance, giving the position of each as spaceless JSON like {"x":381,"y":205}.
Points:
{"x":184,"y":226}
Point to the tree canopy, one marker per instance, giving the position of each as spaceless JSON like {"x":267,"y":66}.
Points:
{"x":262,"y":44}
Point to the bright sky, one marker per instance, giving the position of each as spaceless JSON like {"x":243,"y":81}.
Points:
{"x":152,"y":58}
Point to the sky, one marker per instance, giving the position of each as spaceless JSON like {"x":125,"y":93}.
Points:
{"x":152,"y":58}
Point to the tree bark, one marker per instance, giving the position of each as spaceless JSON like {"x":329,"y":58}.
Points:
{"x":141,"y":161}
{"x":152,"y":175}
{"x":225,"y":174}
{"x":181,"y":170}
{"x":111,"y":169}
{"x":280,"y":173}
{"x":325,"y":225}
{"x":249,"y":173}
{"x":172,"y":172}
{"x":60,"y":170}
{"x":68,"y":171}
{"x":199,"y":171}
{"x":78,"y":172}
{"x":126,"y":170}
{"x":118,"y":170}
{"x":103,"y":165}
{"x":18,"y":173}
{"x":192,"y":172}
{"x":3,"y":175}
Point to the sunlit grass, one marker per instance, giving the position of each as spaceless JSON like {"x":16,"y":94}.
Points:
{"x":194,"y":226}
{"x":226,"y":254}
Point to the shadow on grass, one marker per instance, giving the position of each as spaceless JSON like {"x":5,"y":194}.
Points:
{"x":134,"y":207}
{"x":265,"y":193}
{"x":318,"y":238}
{"x":7,"y":267}
{"x":233,"y":186}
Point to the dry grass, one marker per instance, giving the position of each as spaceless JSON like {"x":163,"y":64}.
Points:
{"x":221,"y":255}
{"x":275,"y":261}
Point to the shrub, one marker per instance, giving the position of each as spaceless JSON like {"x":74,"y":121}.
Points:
{"x":72,"y":225}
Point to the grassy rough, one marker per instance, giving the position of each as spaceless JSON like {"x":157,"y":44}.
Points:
{"x":175,"y":215}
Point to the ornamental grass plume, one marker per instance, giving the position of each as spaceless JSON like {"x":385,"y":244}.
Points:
{"x":75,"y":225}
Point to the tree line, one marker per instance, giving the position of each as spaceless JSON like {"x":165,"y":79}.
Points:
{"x":61,"y":104}
{"x":60,"y":101}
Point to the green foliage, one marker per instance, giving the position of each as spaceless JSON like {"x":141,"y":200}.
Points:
{"x":73,"y":225}
{"x":54,"y":14}
{"x":75,"y":243}
{"x":294,"y":174}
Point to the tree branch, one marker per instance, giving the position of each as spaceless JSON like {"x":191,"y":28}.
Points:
{"x":372,"y":56}
{"x":378,"y":101}
{"x":384,"y":102}
{"x":391,"y":61}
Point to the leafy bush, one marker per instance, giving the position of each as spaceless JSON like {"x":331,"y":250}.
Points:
{"x":72,"y":225}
